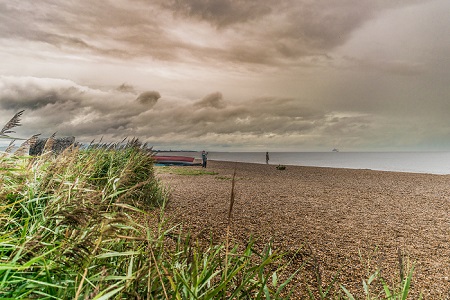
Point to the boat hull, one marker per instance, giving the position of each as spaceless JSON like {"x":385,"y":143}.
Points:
{"x":175,"y":160}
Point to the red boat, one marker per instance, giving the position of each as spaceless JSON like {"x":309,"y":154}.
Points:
{"x":174,"y":160}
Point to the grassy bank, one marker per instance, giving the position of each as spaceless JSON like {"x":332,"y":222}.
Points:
{"x":86,"y":224}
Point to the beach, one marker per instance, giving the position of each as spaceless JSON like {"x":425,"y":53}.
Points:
{"x":348,"y":222}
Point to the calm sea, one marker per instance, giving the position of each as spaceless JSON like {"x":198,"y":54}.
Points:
{"x":414,"y":162}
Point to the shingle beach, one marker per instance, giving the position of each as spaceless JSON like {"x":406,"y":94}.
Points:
{"x":351,"y":221}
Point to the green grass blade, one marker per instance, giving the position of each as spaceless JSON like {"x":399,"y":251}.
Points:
{"x":108,"y":295}
{"x":349,"y":295}
{"x":407,"y":284}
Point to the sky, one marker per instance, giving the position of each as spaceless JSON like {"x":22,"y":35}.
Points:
{"x":230,"y":75}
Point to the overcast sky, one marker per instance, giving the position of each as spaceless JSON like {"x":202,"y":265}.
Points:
{"x":231,"y":75}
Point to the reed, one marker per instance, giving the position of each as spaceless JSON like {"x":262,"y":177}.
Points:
{"x":61,"y":227}
{"x":13,"y":122}
{"x":84,"y":225}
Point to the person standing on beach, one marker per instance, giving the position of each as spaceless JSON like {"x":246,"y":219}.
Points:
{"x":204,"y":158}
{"x":267,"y":158}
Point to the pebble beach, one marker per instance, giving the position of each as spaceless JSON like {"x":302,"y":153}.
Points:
{"x":350,"y":222}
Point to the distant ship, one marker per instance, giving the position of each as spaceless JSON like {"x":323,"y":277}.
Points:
{"x":335,"y":150}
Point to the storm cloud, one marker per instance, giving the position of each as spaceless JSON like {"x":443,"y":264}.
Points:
{"x":251,"y":32}
{"x":148,"y":98}
{"x":90,"y":113}
{"x":214,"y":100}
{"x":302,"y":75}
{"x":220,"y":13}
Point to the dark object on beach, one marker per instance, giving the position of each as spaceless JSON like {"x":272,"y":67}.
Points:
{"x":175,"y":160}
{"x":59,"y":145}
{"x":281,"y":167}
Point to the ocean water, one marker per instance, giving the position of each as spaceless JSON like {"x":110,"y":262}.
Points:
{"x":413,"y":162}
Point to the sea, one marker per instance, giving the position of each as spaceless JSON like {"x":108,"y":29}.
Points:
{"x":411,"y":162}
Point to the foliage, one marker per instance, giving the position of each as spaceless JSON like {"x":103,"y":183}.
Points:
{"x":81,"y":225}
{"x":66,"y":224}
{"x":184,"y":171}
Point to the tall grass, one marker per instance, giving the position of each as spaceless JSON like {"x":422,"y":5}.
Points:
{"x":83,"y":225}
{"x":62,"y":221}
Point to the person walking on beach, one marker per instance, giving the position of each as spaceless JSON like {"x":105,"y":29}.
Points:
{"x":204,"y":158}
{"x":267,"y":158}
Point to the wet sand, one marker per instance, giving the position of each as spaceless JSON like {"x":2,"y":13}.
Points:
{"x":351,"y":221}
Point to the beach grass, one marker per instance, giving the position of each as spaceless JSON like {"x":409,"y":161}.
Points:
{"x":88,"y":224}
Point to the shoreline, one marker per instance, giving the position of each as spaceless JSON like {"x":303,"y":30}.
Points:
{"x":430,"y":162}
{"x":345,"y":216}
{"x":327,"y":167}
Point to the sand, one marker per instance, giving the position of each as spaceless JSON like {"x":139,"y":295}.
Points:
{"x":348,"y":221}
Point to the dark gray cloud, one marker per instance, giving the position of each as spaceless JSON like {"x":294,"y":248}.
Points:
{"x":220,"y":13}
{"x":214,"y":100}
{"x":89,"y":113}
{"x":66,"y":107}
{"x":254,"y":117}
{"x":31,"y":95}
{"x":256,"y":32}
{"x":148,"y":98}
